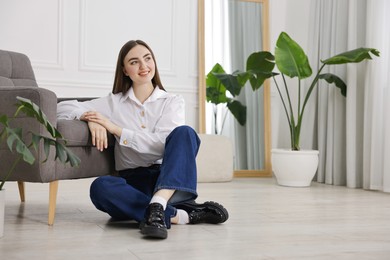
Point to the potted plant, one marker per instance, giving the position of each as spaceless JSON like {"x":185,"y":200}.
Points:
{"x":17,"y":142}
{"x":291,"y":61}
{"x":220,"y":94}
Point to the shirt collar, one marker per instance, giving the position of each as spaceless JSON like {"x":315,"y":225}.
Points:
{"x":156,"y":94}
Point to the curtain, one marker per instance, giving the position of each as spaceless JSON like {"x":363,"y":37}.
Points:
{"x":245,"y":38}
{"x":353,"y":133}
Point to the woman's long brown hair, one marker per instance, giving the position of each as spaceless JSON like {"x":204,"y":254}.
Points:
{"x":123,"y":83}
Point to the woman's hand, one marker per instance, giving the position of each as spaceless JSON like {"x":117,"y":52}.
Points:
{"x":99,"y":135}
{"x":96,"y":117}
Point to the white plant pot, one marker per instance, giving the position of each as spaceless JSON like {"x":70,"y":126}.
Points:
{"x":2,"y":206}
{"x":294,"y":168}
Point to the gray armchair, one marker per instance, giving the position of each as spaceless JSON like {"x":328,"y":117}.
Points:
{"x":17,"y":79}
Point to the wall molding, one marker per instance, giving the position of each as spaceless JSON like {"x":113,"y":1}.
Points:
{"x":84,"y":65}
{"x":58,"y":63}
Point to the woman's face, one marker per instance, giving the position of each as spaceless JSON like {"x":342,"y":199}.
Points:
{"x":139,"y":65}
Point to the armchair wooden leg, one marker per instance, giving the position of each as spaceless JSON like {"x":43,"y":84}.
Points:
{"x":52,"y":201}
{"x":21,"y":191}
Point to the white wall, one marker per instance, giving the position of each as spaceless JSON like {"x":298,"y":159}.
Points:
{"x":291,"y":17}
{"x":73,"y":44}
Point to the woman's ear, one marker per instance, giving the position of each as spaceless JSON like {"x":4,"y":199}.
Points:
{"x":124,"y":71}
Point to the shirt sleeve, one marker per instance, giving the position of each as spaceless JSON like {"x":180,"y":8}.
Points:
{"x":74,"y":109}
{"x":152,"y":143}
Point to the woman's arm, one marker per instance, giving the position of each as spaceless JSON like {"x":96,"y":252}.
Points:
{"x":96,"y":117}
{"x":74,"y":109}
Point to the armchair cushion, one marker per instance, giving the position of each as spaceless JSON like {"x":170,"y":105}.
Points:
{"x":16,"y":70}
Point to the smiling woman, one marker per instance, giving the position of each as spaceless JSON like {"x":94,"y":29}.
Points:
{"x":152,"y":150}
{"x":229,"y":32}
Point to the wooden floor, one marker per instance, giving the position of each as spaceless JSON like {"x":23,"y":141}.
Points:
{"x":266,"y":221}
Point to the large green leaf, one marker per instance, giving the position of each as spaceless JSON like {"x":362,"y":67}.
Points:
{"x":216,"y":96}
{"x":215,"y":91}
{"x":65,"y":155}
{"x":331,"y":78}
{"x":15,"y":138}
{"x":238,"y":110}
{"x":73,"y":159}
{"x":211,"y":80}
{"x":4,"y":120}
{"x":260,"y":66}
{"x":290,"y":58}
{"x":233,"y":82}
{"x":62,"y":153}
{"x":353,"y":56}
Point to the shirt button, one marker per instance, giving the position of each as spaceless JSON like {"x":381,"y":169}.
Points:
{"x":142,"y":113}
{"x":125,"y":142}
{"x":143,"y":126}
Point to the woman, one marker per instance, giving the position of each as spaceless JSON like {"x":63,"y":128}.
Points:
{"x":154,"y":151}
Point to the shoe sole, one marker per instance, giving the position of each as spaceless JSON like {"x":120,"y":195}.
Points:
{"x":154,"y":232}
{"x":189,"y":206}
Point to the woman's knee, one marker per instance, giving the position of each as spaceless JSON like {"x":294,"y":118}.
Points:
{"x":102,"y":186}
{"x":185,"y":131}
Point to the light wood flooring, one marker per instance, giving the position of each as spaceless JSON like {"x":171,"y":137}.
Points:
{"x":266,"y":221}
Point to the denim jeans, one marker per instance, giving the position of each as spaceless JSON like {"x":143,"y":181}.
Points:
{"x":127,"y":197}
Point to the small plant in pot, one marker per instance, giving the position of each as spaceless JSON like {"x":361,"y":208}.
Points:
{"x":291,"y":61}
{"x":25,"y":144}
{"x":220,"y":95}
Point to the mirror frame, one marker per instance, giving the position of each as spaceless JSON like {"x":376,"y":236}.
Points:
{"x":267,"y":171}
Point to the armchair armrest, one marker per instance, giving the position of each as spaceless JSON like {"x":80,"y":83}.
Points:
{"x":77,"y":132}
{"x":44,"y":98}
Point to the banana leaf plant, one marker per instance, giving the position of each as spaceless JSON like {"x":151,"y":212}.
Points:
{"x":219,"y":90}
{"x":16,"y":141}
{"x":291,"y":61}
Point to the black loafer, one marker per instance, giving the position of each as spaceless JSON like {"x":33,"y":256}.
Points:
{"x":209,"y":212}
{"x":154,"y":224}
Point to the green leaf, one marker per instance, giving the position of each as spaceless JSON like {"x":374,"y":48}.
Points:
{"x":13,"y":135}
{"x":353,"y":56}
{"x":35,"y":141}
{"x":216,"y":96}
{"x":46,"y":147}
{"x":61,"y":153}
{"x":65,"y":155}
{"x":238,"y":110}
{"x":290,"y":58}
{"x":215,"y":91}
{"x":233,"y":82}
{"x":331,"y":78}
{"x":15,"y":138}
{"x":211,"y":80}
{"x":73,"y":159}
{"x":4,"y":120}
{"x":259,"y":65}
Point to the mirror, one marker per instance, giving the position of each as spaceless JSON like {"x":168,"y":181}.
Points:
{"x":228,"y":31}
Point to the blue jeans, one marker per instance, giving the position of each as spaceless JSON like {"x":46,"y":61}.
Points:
{"x":127,"y":197}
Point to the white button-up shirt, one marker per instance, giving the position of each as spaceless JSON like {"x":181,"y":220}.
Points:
{"x":145,"y":126}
